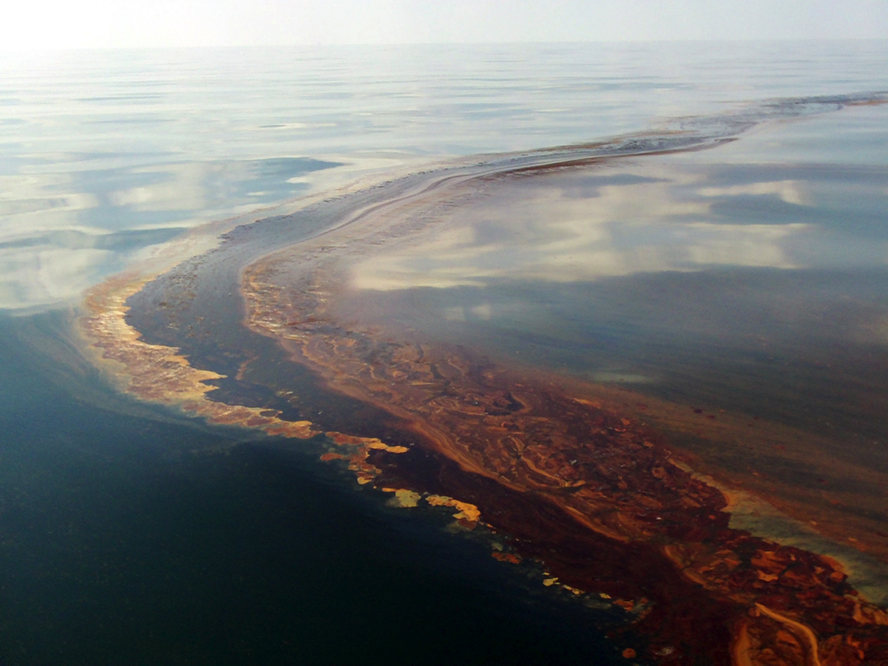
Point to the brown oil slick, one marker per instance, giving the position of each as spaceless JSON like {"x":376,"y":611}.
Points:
{"x":603,"y":502}
{"x":576,"y":483}
{"x":581,"y":482}
{"x":159,"y":374}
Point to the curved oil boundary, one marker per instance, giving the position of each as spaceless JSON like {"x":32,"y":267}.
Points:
{"x":192,"y":318}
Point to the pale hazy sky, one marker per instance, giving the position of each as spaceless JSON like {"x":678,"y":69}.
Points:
{"x":39,"y":24}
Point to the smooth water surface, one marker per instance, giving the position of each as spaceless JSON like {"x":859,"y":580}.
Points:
{"x":129,"y":535}
{"x":741,"y":284}
{"x":104,"y":154}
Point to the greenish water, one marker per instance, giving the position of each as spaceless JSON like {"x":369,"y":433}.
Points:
{"x":131,"y":536}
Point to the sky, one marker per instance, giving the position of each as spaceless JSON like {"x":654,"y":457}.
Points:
{"x":49,"y":24}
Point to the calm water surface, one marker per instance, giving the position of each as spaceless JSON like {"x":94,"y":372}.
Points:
{"x":129,"y":535}
{"x":763,"y":260}
{"x":743,"y":285}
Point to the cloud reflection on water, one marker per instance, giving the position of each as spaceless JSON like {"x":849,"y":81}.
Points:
{"x":62,"y":231}
{"x":630,"y":219}
{"x":31,"y":278}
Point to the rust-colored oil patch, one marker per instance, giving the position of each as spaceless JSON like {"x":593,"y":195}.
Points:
{"x":159,"y":374}
{"x":600,"y":469}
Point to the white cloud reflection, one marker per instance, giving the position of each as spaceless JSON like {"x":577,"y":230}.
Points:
{"x":33,"y":278}
{"x":742,"y":245}
{"x":790,"y":191}
{"x":543,"y":230}
{"x":57,"y":238}
{"x":63,"y":230}
{"x":183,"y":187}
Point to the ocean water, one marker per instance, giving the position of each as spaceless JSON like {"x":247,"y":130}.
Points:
{"x":104,"y":154}
{"x":132,"y":535}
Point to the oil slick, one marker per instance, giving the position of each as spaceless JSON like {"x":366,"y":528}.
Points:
{"x":597,"y":492}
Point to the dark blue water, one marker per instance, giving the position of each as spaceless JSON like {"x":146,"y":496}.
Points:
{"x":132,"y":536}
